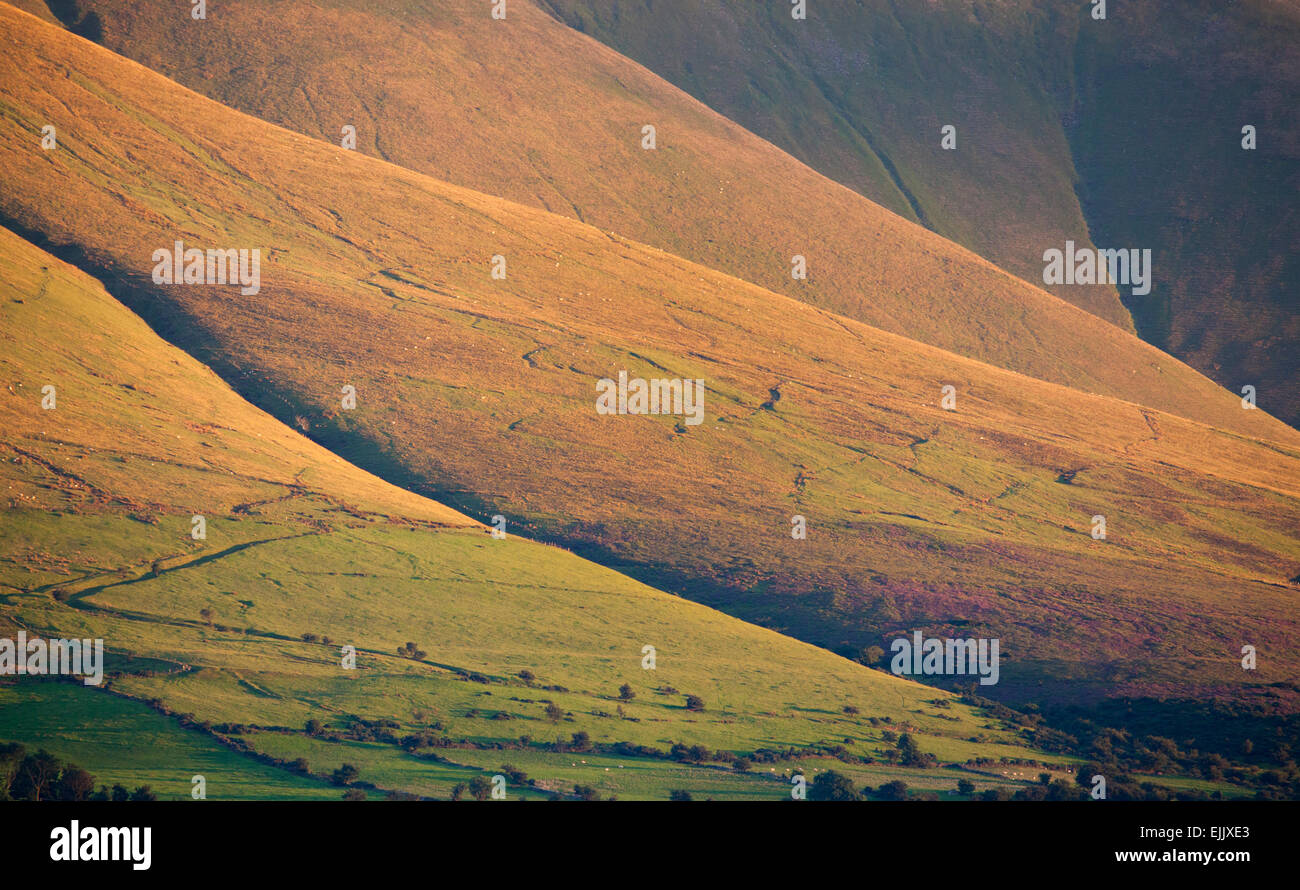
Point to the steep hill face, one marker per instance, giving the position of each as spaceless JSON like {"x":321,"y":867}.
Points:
{"x":103,"y":483}
{"x":1128,"y":129}
{"x":444,"y":89}
{"x":482,"y":391}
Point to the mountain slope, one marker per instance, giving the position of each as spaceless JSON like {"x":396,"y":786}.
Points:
{"x":1126,"y":131}
{"x":96,"y":542}
{"x":444,"y":89}
{"x":481,"y":392}
{"x":862,"y":262}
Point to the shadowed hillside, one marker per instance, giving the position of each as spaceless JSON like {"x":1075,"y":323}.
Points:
{"x":1127,"y":131}
{"x":714,"y":194}
{"x":481,"y":392}
{"x":100,"y":493}
{"x":442,"y":88}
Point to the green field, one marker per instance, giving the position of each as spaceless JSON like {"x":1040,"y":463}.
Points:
{"x":122,"y":741}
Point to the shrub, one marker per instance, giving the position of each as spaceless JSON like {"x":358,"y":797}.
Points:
{"x":410,"y":650}
{"x":894,"y":790}
{"x":831,"y":785}
{"x":345,"y":775}
{"x":480,"y":787}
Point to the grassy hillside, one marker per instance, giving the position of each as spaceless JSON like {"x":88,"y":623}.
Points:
{"x":95,"y":541}
{"x":860,"y":92}
{"x":1126,"y":131}
{"x":442,"y":88}
{"x":481,"y":392}
{"x":1224,"y":218}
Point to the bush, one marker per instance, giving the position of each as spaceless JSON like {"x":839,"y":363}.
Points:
{"x":965,"y":786}
{"x":831,"y":785}
{"x":345,"y":775}
{"x":480,"y":788}
{"x":410,"y":650}
{"x":679,"y":795}
{"x":694,"y":703}
{"x":625,"y":692}
{"x":894,"y":790}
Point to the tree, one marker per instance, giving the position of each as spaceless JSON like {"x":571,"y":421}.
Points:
{"x":143,"y":793}
{"x":965,"y":786}
{"x":742,"y":764}
{"x":585,"y":792}
{"x":11,"y":756}
{"x":832,"y":785}
{"x":36,"y":776}
{"x":625,"y":692}
{"x":74,"y":784}
{"x":679,"y":795}
{"x":480,"y":787}
{"x":458,"y":790}
{"x":354,"y":794}
{"x":581,"y":742}
{"x":345,"y":775}
{"x":120,"y":794}
{"x":554,"y":712}
{"x":314,"y":727}
{"x":908,"y":753}
{"x":894,"y":790}
{"x":694,"y":703}
{"x":411,"y":650}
